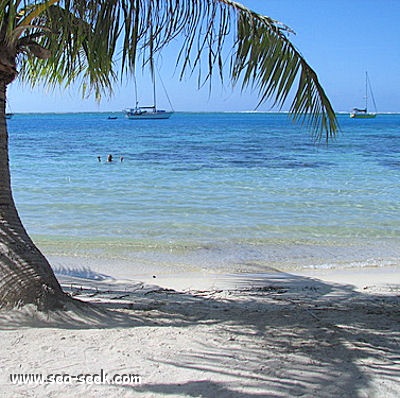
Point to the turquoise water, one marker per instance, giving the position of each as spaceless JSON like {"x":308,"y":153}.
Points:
{"x":223,"y":191}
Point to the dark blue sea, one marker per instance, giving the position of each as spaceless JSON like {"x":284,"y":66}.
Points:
{"x":220,"y":192}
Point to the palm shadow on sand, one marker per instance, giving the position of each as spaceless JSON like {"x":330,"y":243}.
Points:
{"x":301,"y":336}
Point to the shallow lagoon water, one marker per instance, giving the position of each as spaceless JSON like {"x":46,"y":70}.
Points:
{"x":222,"y":192}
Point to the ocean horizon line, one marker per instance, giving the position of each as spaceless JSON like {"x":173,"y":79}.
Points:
{"x":181,"y":112}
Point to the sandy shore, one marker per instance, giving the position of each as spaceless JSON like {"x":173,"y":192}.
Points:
{"x":311,"y":334}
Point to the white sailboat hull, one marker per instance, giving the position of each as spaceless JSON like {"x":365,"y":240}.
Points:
{"x":355,"y":115}
{"x":138,"y":114}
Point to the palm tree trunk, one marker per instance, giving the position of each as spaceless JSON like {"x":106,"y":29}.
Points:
{"x":26,"y":276}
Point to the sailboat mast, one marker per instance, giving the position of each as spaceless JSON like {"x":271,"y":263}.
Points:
{"x":154,"y":90}
{"x":366,"y":91}
{"x":136,"y":92}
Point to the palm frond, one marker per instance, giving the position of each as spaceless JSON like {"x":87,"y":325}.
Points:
{"x":266,"y":59}
{"x":79,"y":48}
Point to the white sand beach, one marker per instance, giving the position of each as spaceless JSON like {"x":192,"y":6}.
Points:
{"x":315,"y":334}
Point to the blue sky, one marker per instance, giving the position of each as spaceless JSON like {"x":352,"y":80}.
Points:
{"x":340,"y":39}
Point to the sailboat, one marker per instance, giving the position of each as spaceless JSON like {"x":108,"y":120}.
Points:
{"x":363,"y":113}
{"x":148,"y":112}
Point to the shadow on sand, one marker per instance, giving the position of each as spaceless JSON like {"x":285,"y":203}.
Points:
{"x":292,"y":337}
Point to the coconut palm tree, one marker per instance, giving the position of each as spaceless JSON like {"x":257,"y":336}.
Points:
{"x":97,"y":42}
